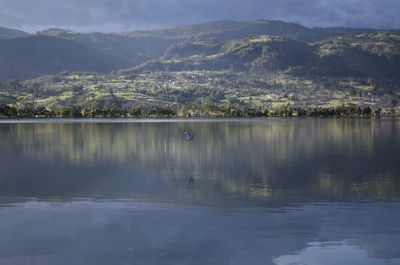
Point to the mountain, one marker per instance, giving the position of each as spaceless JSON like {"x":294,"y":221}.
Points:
{"x":119,"y":50}
{"x":255,"y":54}
{"x":226,"y":30}
{"x":6,"y":32}
{"x":359,"y":55}
{"x":216,"y":45}
{"x":32,"y":56}
{"x":124,"y":50}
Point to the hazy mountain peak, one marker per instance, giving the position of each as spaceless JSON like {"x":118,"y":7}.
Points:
{"x":7,"y":32}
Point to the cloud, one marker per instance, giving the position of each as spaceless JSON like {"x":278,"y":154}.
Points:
{"x":123,"y":15}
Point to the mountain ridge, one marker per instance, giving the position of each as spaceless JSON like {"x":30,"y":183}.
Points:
{"x":118,"y":51}
{"x":9,"y":32}
{"x":22,"y":57}
{"x":359,"y":55}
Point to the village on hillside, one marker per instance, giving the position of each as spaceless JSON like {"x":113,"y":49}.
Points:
{"x":192,"y":90}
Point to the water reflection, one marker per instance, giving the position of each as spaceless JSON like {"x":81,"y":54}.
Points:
{"x":278,"y":161}
{"x":240,"y":192}
{"x":331,"y":254}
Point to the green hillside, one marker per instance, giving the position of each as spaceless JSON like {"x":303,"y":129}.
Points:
{"x":187,"y":49}
{"x":32,"y":56}
{"x":357,"y":55}
{"x":203,"y":91}
{"x":255,"y":54}
{"x":124,"y":50}
{"x":254,"y":46}
{"x":361,"y":55}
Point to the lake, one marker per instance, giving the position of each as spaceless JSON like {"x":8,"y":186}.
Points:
{"x":301,"y":191}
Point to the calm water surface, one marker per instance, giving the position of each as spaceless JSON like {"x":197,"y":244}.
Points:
{"x":309,"y":191}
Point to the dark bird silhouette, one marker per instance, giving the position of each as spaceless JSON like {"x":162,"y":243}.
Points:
{"x":189,"y":136}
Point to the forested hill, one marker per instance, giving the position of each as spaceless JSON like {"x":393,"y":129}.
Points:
{"x":358,"y":55}
{"x":254,"y":54}
{"x":25,"y":56}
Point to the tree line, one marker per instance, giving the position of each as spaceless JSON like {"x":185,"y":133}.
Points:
{"x":204,"y":110}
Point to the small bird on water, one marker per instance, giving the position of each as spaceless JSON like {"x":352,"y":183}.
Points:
{"x":189,"y":136}
{"x":191,"y":180}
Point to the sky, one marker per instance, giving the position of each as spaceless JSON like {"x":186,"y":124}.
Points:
{"x":129,"y":15}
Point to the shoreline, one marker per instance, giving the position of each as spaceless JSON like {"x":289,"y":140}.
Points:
{"x":183,"y":120}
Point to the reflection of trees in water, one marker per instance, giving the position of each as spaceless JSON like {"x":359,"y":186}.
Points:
{"x":293,"y":159}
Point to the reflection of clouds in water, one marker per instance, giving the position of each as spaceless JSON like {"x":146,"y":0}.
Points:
{"x":332,"y":254}
{"x":155,"y":233}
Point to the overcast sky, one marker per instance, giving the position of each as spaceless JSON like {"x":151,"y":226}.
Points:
{"x":128,"y":15}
